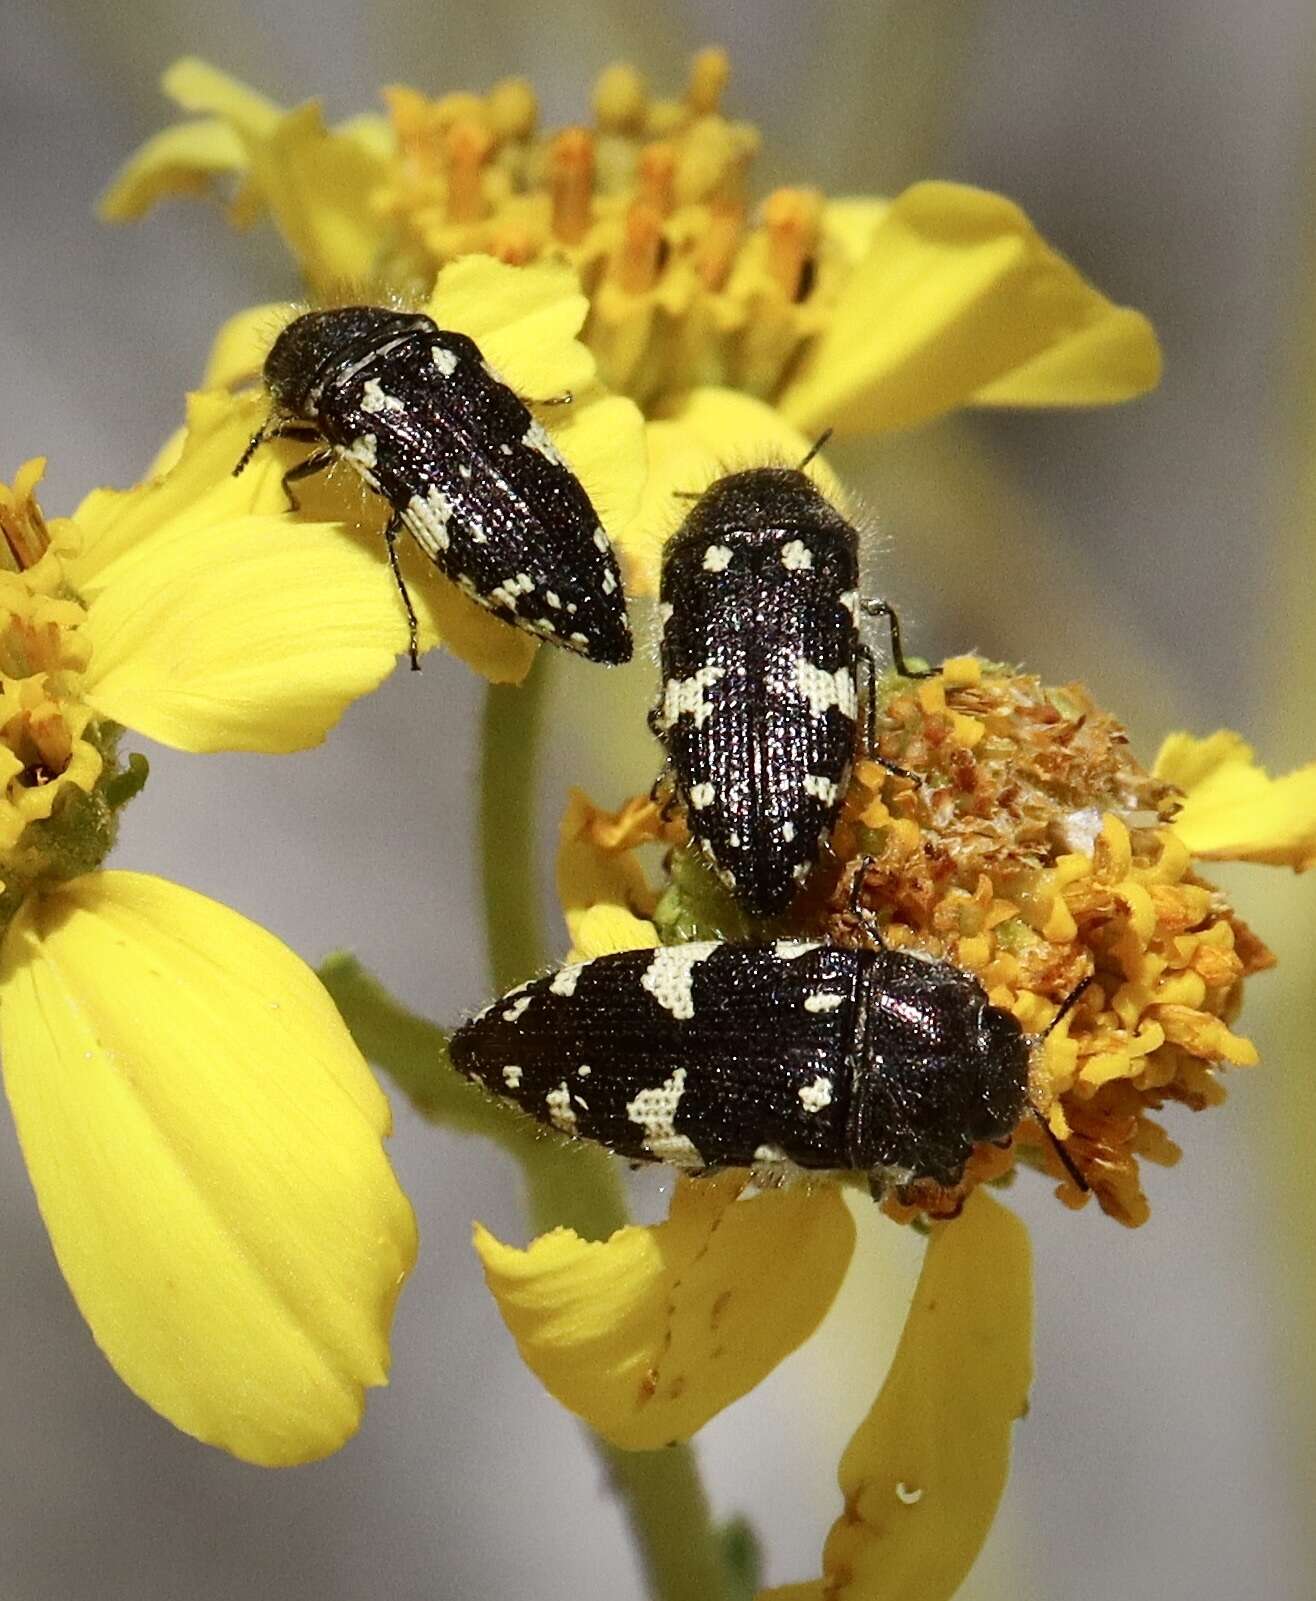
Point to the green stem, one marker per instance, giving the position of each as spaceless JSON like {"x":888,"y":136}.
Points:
{"x":661,"y":1490}
{"x":509,"y":864}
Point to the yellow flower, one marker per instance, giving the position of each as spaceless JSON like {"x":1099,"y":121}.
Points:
{"x":225,"y":622}
{"x":1032,"y":850}
{"x":203,"y":1137}
{"x":861,"y":315}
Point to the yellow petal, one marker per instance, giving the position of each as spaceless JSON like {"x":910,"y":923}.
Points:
{"x":1115,"y":357}
{"x":320,"y":186}
{"x":198,"y":87}
{"x":923,"y":1475}
{"x":238,"y":351}
{"x":598,"y":875}
{"x":183,"y":160}
{"x":1234,"y":811}
{"x":119,"y":527}
{"x":958,"y":291}
{"x":281,"y":656}
{"x":524,"y":319}
{"x":204,"y":1142}
{"x":710,"y":432}
{"x":648,"y":1334}
{"x":255,"y":634}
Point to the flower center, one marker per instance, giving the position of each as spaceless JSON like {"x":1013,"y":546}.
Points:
{"x":649,"y":204}
{"x":59,"y":784}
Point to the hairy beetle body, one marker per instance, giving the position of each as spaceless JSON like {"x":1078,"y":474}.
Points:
{"x":467,"y":469}
{"x":790,"y":1054}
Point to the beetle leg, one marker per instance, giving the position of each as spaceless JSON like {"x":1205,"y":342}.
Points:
{"x":413,"y":627}
{"x":316,"y":462}
{"x":882,"y":608}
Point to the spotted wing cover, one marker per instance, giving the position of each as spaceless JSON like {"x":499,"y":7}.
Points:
{"x":481,"y":487}
{"x":758,"y":709}
{"x":699,"y":1055}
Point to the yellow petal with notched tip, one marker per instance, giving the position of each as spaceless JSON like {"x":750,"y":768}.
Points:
{"x":924,"y":1474}
{"x":204,"y":1142}
{"x":183,"y":160}
{"x":649,"y":1334}
{"x":957,"y":292}
{"x":524,"y":319}
{"x":1234,"y":810}
{"x":707,"y":434}
{"x":255,"y":633}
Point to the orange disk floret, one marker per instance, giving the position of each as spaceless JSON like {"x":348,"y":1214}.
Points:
{"x":1029,"y":847}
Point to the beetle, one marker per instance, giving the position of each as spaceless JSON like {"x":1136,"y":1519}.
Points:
{"x":784,"y":1056}
{"x":465,"y":467}
{"x":760,"y":655}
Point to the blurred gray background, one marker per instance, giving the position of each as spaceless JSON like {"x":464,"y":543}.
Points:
{"x":1163,"y":147}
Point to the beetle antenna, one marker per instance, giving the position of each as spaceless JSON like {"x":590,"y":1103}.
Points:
{"x":860,"y":912}
{"x":1057,"y":1144}
{"x":1069,"y":1003}
{"x":253,"y":446}
{"x":815,"y":448}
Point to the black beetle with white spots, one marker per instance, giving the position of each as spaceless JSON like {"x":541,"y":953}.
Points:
{"x":465,"y":466}
{"x":778,"y":1057}
{"x":761,"y":654}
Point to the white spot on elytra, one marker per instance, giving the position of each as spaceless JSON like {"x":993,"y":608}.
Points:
{"x":823,"y":689}
{"x":813,"y":1097}
{"x":428,"y":520}
{"x":444,"y":359}
{"x":796,"y":556}
{"x":536,"y":438}
{"x":512,"y":1076}
{"x":579,"y":639}
{"x":682,"y":696}
{"x":701,"y":795}
{"x":716,"y":558}
{"x":821,"y":1001}
{"x":770,"y":1154}
{"x":655,"y":1112}
{"x":601,"y":540}
{"x":584,"y":1070}
{"x":668,"y":977}
{"x":362,"y":451}
{"x":506,"y":449}
{"x":800,"y":872}
{"x":734,"y":841}
{"x":561,"y":1116}
{"x":850,"y":600}
{"x":374,"y":399}
{"x":566,"y":979}
{"x":463,"y":471}
{"x":788,"y":831}
{"x":506,"y":593}
{"x":516,"y":1008}
{"x":553,"y":600}
{"x":609,"y":583}
{"x":820,"y":786}
{"x":787,"y":949}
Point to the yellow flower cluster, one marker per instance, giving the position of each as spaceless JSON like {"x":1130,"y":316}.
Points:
{"x":44,"y":719}
{"x":1033,"y":850}
{"x":854,"y":314}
